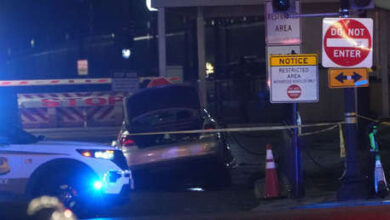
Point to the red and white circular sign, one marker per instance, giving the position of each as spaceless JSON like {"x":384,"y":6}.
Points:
{"x":347,"y":42}
{"x":294,"y":91}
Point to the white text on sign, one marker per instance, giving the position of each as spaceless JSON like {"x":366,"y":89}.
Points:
{"x":294,"y":78}
{"x":347,"y":42}
{"x":354,"y":32}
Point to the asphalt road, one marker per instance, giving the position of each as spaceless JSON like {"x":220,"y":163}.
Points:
{"x":158,"y":204}
{"x":342,"y":213}
{"x":224,"y":205}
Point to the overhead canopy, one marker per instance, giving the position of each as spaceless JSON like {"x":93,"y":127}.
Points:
{"x":205,"y":3}
{"x":200,"y":3}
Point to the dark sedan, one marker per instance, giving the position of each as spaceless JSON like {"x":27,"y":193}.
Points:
{"x":196,"y":159}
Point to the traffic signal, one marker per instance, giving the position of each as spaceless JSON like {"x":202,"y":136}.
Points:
{"x":361,"y":4}
{"x":283,"y":6}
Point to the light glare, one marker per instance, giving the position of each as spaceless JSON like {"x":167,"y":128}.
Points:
{"x":108,"y":154}
{"x":126,"y":53}
{"x":97,"y":185}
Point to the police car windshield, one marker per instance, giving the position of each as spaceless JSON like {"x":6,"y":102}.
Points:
{"x":16,"y":135}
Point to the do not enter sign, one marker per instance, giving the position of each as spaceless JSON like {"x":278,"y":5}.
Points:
{"x":347,"y":42}
{"x":294,"y":91}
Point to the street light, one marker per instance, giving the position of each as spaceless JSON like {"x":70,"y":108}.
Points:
{"x":126,"y":53}
{"x":283,"y":6}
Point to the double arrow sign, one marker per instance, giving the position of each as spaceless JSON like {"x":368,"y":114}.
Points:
{"x":347,"y":78}
{"x":355,"y":77}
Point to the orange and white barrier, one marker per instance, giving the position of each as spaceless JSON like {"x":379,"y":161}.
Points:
{"x":53,"y":82}
{"x":70,"y":99}
{"x":78,"y":81}
{"x":75,"y":108}
{"x":71,"y":109}
{"x":35,"y":117}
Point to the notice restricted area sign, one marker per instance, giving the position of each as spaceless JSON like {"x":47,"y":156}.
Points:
{"x":294,"y":78}
{"x":347,"y":42}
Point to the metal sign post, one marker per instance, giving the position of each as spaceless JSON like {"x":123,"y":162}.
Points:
{"x":294,"y":79}
{"x":284,"y":36}
{"x":353,"y":182}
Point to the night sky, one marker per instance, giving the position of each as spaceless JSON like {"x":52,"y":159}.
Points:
{"x":51,"y":22}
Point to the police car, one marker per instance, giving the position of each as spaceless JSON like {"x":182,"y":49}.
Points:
{"x":75,"y":172}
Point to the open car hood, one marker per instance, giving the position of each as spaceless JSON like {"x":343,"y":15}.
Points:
{"x":167,"y":108}
{"x":165,"y":97}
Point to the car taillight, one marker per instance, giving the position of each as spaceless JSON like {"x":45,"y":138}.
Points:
{"x":209,"y":127}
{"x":127,"y":141}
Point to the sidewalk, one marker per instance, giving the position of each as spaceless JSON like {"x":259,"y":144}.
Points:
{"x":316,"y":200}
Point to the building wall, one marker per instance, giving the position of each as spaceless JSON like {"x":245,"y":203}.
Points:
{"x":330,"y":106}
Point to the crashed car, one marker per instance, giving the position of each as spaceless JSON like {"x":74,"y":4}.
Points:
{"x":76,"y":173}
{"x":189,"y":159}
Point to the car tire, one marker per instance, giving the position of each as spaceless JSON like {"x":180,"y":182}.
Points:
{"x":68,"y":188}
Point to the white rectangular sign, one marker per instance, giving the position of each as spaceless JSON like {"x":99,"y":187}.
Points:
{"x":125,"y":82}
{"x":280,"y":50}
{"x":82,"y":67}
{"x":281,"y":30}
{"x":294,"y":78}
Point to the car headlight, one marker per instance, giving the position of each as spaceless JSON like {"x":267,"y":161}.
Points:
{"x":99,"y":154}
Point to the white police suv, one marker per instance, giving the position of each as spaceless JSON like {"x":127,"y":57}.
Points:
{"x":75,"y":172}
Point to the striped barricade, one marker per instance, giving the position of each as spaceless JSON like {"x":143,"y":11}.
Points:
{"x":71,"y":109}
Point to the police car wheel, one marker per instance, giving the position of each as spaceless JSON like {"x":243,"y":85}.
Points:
{"x":67,"y":194}
{"x":63,"y":188}
{"x":66,"y":186}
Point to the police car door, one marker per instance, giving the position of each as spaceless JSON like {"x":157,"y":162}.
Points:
{"x":11,"y":179}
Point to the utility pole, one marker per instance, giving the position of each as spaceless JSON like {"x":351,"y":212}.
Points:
{"x":353,"y":183}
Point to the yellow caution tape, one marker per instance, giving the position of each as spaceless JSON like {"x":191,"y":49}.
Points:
{"x":245,"y":129}
{"x":320,"y":131}
{"x":342,"y":142}
{"x":373,"y":120}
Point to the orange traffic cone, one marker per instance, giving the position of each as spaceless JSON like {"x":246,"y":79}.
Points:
{"x":271,"y":177}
